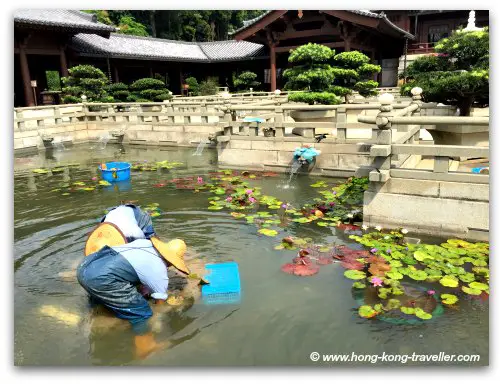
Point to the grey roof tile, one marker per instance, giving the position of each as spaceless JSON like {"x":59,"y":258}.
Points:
{"x":63,"y":18}
{"x":127,"y":46}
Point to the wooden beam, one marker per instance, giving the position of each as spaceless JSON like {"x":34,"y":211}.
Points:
{"x":39,"y":51}
{"x":259,"y":25}
{"x":337,"y":44}
{"x":354,"y":18}
{"x":307,"y":33}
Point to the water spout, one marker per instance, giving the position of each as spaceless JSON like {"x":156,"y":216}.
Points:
{"x":200,"y":148}
{"x":102,"y":141}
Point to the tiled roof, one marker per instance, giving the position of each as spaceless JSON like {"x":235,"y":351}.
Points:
{"x":362,"y":12}
{"x":136,"y":47}
{"x":61,"y":18}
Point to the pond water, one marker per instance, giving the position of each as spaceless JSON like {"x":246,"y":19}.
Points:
{"x":281,"y":318}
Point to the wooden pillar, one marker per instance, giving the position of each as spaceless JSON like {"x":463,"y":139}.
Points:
{"x":116,"y":73}
{"x":272,"y":55}
{"x":25,"y":74}
{"x":151,"y":71}
{"x":62,"y":61}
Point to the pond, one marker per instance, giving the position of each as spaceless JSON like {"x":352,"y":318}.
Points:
{"x":281,"y":318}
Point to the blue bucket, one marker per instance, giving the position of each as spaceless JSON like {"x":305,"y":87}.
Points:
{"x":116,"y":171}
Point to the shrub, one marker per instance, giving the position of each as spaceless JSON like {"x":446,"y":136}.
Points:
{"x":246,"y":80}
{"x":352,"y":72}
{"x":458,"y":72}
{"x":119,"y":91}
{"x":193,"y":85}
{"x":311,"y":73}
{"x":53,"y":80}
{"x":208,"y":87}
{"x":149,"y":90}
{"x":85,"y":80}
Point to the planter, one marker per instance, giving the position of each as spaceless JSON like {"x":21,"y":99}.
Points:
{"x":469,"y":135}
{"x":302,"y":116}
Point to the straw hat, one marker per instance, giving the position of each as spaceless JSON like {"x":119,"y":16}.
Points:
{"x":173,"y":252}
{"x":104,"y":234}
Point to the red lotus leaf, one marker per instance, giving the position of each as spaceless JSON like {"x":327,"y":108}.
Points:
{"x":269,"y":174}
{"x":300,"y":270}
{"x":301,"y":260}
{"x":352,"y":264}
{"x":350,"y":227}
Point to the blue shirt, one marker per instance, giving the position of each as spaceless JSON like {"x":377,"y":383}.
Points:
{"x":148,"y":265}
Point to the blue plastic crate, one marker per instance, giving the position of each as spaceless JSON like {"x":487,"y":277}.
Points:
{"x":224,"y":284}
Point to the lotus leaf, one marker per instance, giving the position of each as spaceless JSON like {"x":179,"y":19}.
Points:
{"x":395,"y":275}
{"x":481,"y":271}
{"x":449,"y":281}
{"x":422,"y":314}
{"x":274,"y":207}
{"x":471,"y":291}
{"x":449,"y":299}
{"x":395,"y":263}
{"x":478,"y":285}
{"x":263,"y":214}
{"x":354,"y":274}
{"x":479,"y":263}
{"x":408,"y":310}
{"x":319,"y":184}
{"x":418,"y":275}
{"x":302,"y":220}
{"x":65,"y":194}
{"x":237,"y":215}
{"x":467,"y":277}
{"x":396,"y":291}
{"x":358,"y":285}
{"x":268,"y":232}
{"x":367,"y":311}
{"x":40,"y":171}
{"x":215,"y":208}
{"x":421,"y":256}
{"x":219,"y":191}
{"x":322,"y":224}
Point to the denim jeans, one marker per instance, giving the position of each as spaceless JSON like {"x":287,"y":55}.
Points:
{"x":111,"y":280}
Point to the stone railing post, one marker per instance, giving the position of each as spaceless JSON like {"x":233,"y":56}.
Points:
{"x":279,"y":124}
{"x":341,"y":124}
{"x":227,"y":119}
{"x":416,"y":99}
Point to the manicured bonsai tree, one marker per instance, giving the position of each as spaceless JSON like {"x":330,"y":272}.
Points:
{"x":119,"y":91}
{"x":457,"y":73}
{"x":193,"y":85}
{"x":149,"y":90}
{"x":312,"y":74}
{"x":353,"y":72}
{"x":246,"y":80}
{"x":85,"y":80}
{"x":208,"y":87}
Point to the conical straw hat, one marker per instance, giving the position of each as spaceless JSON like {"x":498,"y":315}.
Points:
{"x":104,"y":234}
{"x":173,"y":252}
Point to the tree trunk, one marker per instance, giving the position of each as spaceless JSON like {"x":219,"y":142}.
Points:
{"x":152,"y":23}
{"x":465,"y":105}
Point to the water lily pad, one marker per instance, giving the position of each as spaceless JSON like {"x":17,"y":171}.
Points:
{"x":302,"y":220}
{"x":65,"y":194}
{"x":268,"y":232}
{"x":449,"y":281}
{"x":104,"y":182}
{"x":354,"y":274}
{"x":395,"y":275}
{"x":300,"y":269}
{"x":57,"y":170}
{"x":237,"y":215}
{"x":367,"y":312}
{"x":471,"y":291}
{"x":215,"y":208}
{"x":418,"y":275}
{"x":359,"y":285}
{"x":467,"y":277}
{"x":274,"y":207}
{"x":319,"y":184}
{"x":322,"y":224}
{"x":478,"y":285}
{"x":408,"y":310}
{"x":422,"y":314}
{"x":449,"y":299}
{"x":421,"y":256}
{"x":41,"y":171}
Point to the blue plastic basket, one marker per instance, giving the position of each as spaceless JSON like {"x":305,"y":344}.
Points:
{"x":224,"y":284}
{"x":122,"y":171}
{"x":480,"y":170}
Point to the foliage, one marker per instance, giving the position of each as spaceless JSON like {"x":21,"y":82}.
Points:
{"x":353,"y":71}
{"x":311,"y":98}
{"x":208,"y":87}
{"x":53,"y":81}
{"x":458,"y":73}
{"x":246,"y":80}
{"x":129,"y":26}
{"x":84,"y":80}
{"x":149,"y":90}
{"x":194,"y":87}
{"x":119,"y":91}
{"x":102,"y":16}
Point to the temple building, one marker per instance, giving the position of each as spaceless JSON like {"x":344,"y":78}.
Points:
{"x":48,"y":42}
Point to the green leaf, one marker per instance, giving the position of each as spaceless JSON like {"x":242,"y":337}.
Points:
{"x":215,"y":208}
{"x":395,"y":275}
{"x":418,"y":275}
{"x":366,"y":311}
{"x":302,"y":220}
{"x":478,"y":285}
{"x":408,"y":310}
{"x":449,"y":281}
{"x":354,"y":274}
{"x":467,"y":277}
{"x":393,"y":304}
{"x":268,"y":232}
{"x":104,"y":182}
{"x":322,"y":224}
{"x":471,"y":291}
{"x":449,"y":299}
{"x":422,"y":314}
{"x":40,"y":171}
{"x":421,"y":256}
{"x":274,"y":207}
{"x":359,"y":285}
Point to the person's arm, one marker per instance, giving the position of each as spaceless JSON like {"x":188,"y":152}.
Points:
{"x":157,"y":281}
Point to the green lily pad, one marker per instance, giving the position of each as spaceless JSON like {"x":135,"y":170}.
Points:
{"x":449,"y":281}
{"x":471,"y":291}
{"x":408,"y":310}
{"x":302,"y":220}
{"x":395,"y":275}
{"x":268,"y":232}
{"x":422,"y":314}
{"x":366,"y":311}
{"x":40,"y":171}
{"x":354,"y":274}
{"x":104,"y":182}
{"x":57,"y":170}
{"x":449,"y":299}
{"x":478,"y":285}
{"x":215,"y":207}
{"x":274,"y":207}
{"x":319,"y":184}
{"x":421,"y":256}
{"x":418,"y":275}
{"x":322,"y":224}
{"x":273,"y":221}
{"x":467,"y":277}
{"x":65,"y":194}
{"x":237,"y":215}
{"x":479,"y":263}
{"x":358,"y":285}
